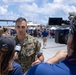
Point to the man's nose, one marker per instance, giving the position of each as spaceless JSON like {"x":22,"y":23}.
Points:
{"x":20,"y":28}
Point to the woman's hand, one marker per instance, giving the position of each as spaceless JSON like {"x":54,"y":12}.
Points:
{"x":60,"y":55}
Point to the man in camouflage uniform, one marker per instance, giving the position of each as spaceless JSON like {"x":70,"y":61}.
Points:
{"x":29,"y":45}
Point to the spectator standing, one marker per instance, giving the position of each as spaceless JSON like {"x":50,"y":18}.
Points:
{"x":6,"y":32}
{"x":44,"y":38}
{"x":29,"y":45}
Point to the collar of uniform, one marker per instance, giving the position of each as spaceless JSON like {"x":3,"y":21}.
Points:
{"x":18,"y":41}
{"x":28,"y":39}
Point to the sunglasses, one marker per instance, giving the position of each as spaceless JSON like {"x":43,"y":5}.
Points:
{"x":20,"y":27}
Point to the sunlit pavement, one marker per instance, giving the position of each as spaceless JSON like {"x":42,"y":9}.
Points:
{"x":51,"y":47}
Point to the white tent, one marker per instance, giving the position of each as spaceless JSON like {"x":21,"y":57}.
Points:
{"x":33,"y":28}
{"x":53,"y":28}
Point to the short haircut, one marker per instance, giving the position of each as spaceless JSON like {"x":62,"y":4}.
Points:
{"x":20,"y":19}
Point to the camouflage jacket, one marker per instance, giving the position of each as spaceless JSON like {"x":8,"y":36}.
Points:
{"x":29,"y":48}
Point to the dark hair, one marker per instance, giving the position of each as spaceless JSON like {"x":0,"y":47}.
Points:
{"x":5,"y":29}
{"x":20,"y":19}
{"x":73,"y":32}
{"x":73,"y":25}
{"x":5,"y":64}
{"x":74,"y":46}
{"x":7,"y":45}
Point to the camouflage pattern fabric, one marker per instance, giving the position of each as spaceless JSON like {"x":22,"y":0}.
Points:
{"x":28,"y":51}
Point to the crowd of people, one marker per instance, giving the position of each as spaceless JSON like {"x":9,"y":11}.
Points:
{"x":20,"y":54}
{"x":38,"y":32}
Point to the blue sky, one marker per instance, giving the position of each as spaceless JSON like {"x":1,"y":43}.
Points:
{"x":37,"y":11}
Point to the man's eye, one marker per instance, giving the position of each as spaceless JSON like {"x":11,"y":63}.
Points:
{"x":23,"y":26}
{"x":18,"y":26}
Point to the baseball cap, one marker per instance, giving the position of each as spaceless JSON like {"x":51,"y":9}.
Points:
{"x":7,"y":44}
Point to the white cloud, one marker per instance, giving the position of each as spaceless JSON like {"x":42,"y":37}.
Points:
{"x":16,"y":1}
{"x":44,"y":2}
{"x":3,"y":11}
{"x":49,"y":10}
{"x":58,"y":1}
{"x":29,"y":8}
{"x":5,"y":14}
{"x":29,"y":11}
{"x":12,"y":15}
{"x":65,"y":1}
{"x":70,"y":1}
{"x":23,"y":0}
{"x":40,"y":14}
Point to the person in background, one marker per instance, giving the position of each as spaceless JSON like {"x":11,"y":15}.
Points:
{"x":7,"y":64}
{"x":1,"y":32}
{"x":57,"y":66}
{"x":44,"y":37}
{"x":35,"y":33}
{"x":30,"y":46}
{"x":6,"y":32}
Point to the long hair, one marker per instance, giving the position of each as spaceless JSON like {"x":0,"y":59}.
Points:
{"x":6,"y":63}
{"x":73,"y":32}
{"x":74,"y":45}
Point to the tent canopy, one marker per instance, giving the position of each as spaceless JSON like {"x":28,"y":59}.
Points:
{"x":53,"y":28}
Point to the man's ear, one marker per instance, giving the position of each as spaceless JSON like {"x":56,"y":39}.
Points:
{"x":27,"y":27}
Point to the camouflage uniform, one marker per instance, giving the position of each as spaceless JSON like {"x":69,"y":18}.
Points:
{"x":29,"y":48}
